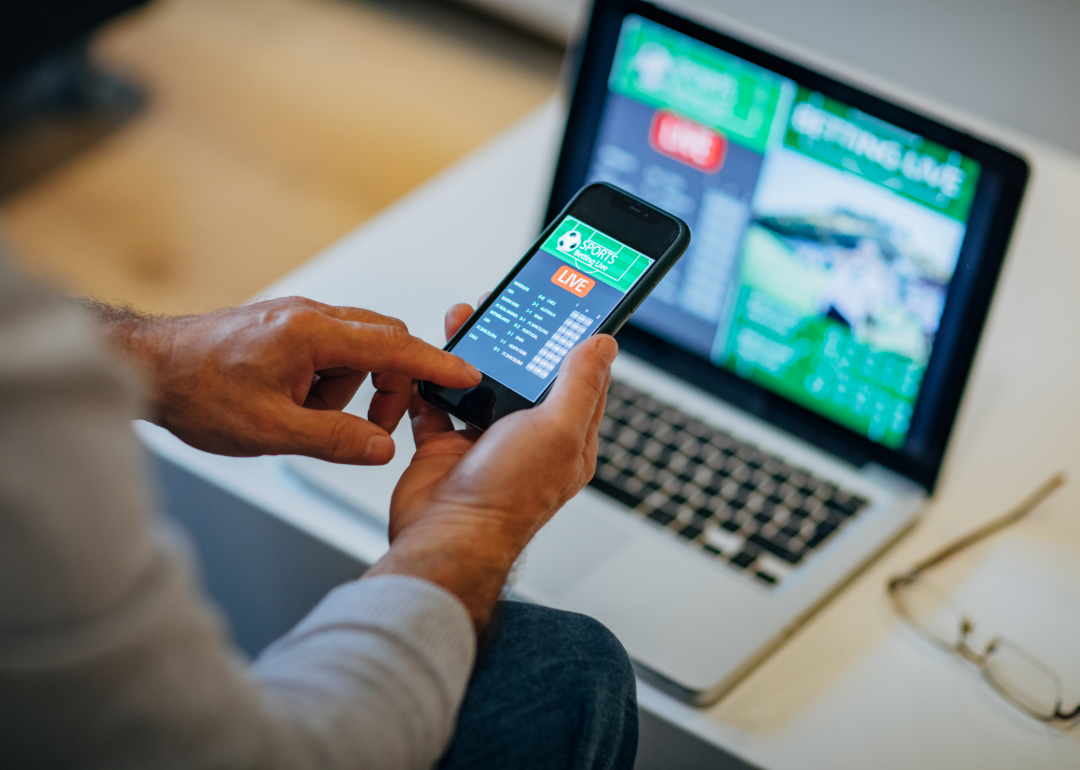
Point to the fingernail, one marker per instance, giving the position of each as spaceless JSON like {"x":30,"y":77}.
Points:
{"x":380,"y":448}
{"x":473,"y":371}
{"x":609,"y":347}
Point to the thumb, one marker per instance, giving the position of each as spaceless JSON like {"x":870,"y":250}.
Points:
{"x":582,"y":380}
{"x":337,"y":437}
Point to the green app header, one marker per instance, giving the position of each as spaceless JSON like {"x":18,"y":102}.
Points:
{"x":666,"y":69}
{"x":596,"y":255}
{"x":849,"y":139}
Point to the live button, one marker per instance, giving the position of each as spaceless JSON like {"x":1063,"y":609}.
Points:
{"x":572,"y":281}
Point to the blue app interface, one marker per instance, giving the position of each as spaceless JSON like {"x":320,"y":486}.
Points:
{"x":562,"y":295}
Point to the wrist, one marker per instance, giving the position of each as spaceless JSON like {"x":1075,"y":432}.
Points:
{"x":141,"y":340}
{"x":468,"y":559}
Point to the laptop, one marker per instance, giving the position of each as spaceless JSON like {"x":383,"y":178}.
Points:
{"x":781,"y":403}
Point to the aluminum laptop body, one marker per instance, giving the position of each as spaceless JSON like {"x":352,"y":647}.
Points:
{"x":781,"y":404}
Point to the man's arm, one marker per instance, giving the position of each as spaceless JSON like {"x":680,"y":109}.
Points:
{"x":109,"y":658}
{"x":103,"y":638}
{"x":251,"y":380}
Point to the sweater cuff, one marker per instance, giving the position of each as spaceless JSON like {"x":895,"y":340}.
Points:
{"x":427,"y":617}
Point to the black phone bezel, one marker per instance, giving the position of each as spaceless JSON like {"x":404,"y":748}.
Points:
{"x":638,"y":224}
{"x":993,"y":215}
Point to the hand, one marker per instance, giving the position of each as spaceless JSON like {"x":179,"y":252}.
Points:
{"x":469,"y":503}
{"x":272,"y":377}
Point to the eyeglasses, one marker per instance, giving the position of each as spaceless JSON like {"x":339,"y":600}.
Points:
{"x":1014,"y":673}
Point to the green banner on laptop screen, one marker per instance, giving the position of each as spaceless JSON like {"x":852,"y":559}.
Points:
{"x":668,"y":70}
{"x":849,"y":139}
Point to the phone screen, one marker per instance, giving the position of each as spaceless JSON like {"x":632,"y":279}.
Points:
{"x":560,"y":297}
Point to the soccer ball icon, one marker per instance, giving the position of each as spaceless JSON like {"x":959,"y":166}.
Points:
{"x":569,"y":241}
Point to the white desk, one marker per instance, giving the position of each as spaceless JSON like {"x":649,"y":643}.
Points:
{"x":854,"y":689}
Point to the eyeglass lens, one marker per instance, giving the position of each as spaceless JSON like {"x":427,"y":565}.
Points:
{"x":1022,"y":678}
{"x":1012,"y":671}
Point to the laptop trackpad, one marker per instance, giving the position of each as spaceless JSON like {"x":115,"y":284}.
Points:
{"x":568,"y":548}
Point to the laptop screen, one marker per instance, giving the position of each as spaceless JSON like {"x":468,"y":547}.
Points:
{"x":824,"y":239}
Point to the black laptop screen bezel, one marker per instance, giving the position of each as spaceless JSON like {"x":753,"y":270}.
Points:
{"x":993,"y":213}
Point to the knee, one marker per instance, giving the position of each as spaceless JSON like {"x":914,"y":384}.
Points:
{"x":582,"y":654}
{"x":550,"y":689}
{"x":595,"y":649}
{"x":602,"y":669}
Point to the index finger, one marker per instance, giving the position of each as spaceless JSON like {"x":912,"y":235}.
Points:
{"x":383,"y":348}
{"x":347,"y":313}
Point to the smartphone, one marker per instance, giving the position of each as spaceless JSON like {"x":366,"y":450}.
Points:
{"x":589,"y":270}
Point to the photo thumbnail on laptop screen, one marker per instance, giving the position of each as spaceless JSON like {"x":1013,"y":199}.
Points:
{"x":825,"y":239}
{"x":559,"y":298}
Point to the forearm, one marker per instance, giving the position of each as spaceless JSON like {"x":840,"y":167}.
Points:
{"x":373,"y":678}
{"x":380,"y":664}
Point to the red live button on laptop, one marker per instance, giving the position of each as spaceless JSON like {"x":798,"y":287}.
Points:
{"x":687,"y":141}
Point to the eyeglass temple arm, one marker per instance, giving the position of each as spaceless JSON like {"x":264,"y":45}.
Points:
{"x":998,"y":524}
{"x":1069,"y":715}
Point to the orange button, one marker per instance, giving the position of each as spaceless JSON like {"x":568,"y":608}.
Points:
{"x":572,"y":280}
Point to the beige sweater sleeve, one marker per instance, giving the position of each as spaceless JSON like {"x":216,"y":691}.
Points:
{"x":110,"y":658}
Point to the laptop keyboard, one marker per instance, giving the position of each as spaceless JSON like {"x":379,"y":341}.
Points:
{"x":732,"y":500}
